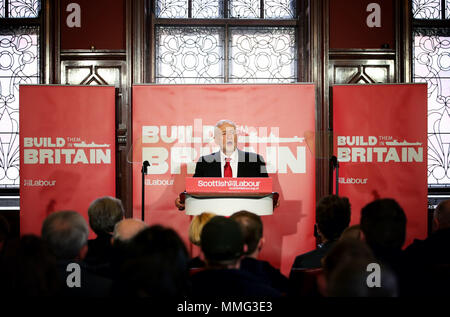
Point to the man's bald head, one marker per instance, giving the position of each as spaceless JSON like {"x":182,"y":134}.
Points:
{"x":126,"y":229}
{"x":442,"y":215}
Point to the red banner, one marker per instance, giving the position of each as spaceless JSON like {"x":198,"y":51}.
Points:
{"x":381,"y":145}
{"x":67,"y":150}
{"x":173,"y":126}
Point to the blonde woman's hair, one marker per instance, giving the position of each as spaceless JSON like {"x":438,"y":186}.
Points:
{"x":196,"y":226}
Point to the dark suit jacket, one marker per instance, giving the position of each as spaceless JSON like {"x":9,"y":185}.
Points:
{"x":312,"y":259}
{"x":229,"y":283}
{"x":249,"y":165}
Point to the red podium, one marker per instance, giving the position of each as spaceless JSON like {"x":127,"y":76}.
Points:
{"x":225,"y":196}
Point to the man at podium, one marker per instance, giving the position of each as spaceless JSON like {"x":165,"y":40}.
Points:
{"x":229,"y":161}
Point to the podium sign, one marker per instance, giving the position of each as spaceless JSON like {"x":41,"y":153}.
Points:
{"x":225,"y":196}
{"x":231,"y":185}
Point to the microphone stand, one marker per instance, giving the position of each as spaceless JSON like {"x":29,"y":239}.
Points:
{"x":145,"y":165}
{"x":335,"y":165}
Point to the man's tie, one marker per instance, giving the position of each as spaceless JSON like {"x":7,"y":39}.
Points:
{"x":227,"y":172}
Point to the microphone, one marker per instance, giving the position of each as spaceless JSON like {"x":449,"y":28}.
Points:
{"x":334,"y":161}
{"x":145,"y":165}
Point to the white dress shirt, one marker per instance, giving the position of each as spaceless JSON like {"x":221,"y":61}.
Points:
{"x":233,"y":163}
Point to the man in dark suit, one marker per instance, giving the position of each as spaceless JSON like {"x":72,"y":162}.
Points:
{"x":229,"y":158}
{"x":229,"y":161}
{"x":332,"y":217}
{"x":223,"y":246}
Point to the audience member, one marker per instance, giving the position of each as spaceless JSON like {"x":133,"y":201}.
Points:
{"x":222,"y":244}
{"x":429,"y":260}
{"x":4,"y":232}
{"x":124,"y":232}
{"x":346,"y":272}
{"x":252,"y":230}
{"x":104,"y":213}
{"x":157,"y":267}
{"x":66,"y":234}
{"x":28,"y":269}
{"x":332,"y":217}
{"x":195,"y":230}
{"x":383,"y":225}
{"x":352,"y":232}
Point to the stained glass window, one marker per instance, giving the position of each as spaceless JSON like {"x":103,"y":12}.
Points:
{"x":2,"y":8}
{"x":189,"y":55}
{"x":431,"y":65}
{"x":24,"y":8}
{"x":431,"y":9}
{"x":228,"y":50}
{"x":19,"y":64}
{"x":265,"y":55}
{"x":213,"y":9}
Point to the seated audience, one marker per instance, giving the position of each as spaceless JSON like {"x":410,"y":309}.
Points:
{"x":124,"y":231}
{"x":332,"y":217}
{"x":345,"y":272}
{"x":28,"y":268}
{"x":195,"y":229}
{"x":66,"y":234}
{"x":383,"y":226}
{"x":4,"y":232}
{"x":104,"y":213}
{"x":429,"y":260}
{"x":222,"y":244}
{"x":352,"y":232}
{"x":252,"y":229}
{"x":157,"y":266}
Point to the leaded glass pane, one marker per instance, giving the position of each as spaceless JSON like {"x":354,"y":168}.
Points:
{"x":263,"y":55}
{"x":447,"y":9}
{"x":245,"y":9}
{"x":432,"y":65}
{"x":171,"y":9}
{"x":24,"y":8}
{"x":2,"y":8}
{"x":279,"y":9}
{"x":19,"y":64}
{"x":189,"y":55}
{"x":207,"y":9}
{"x":426,"y":9}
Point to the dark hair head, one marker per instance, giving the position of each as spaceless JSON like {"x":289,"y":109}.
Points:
{"x":104,"y":213}
{"x":28,"y":269}
{"x":346,"y":251}
{"x":252,"y":228}
{"x":442,"y":214}
{"x":350,"y":279}
{"x":333,"y":216}
{"x":383,"y":223}
{"x":157,"y":265}
{"x":222,"y":240}
{"x":4,"y":229}
{"x":65,"y":232}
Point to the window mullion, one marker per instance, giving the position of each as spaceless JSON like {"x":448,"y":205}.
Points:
{"x":226,"y":60}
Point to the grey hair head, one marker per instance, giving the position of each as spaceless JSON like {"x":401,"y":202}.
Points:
{"x":65,"y":232}
{"x":222,"y":122}
{"x":104,"y":213}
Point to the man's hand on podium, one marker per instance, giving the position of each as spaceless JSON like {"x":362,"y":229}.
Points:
{"x":179,"y":204}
